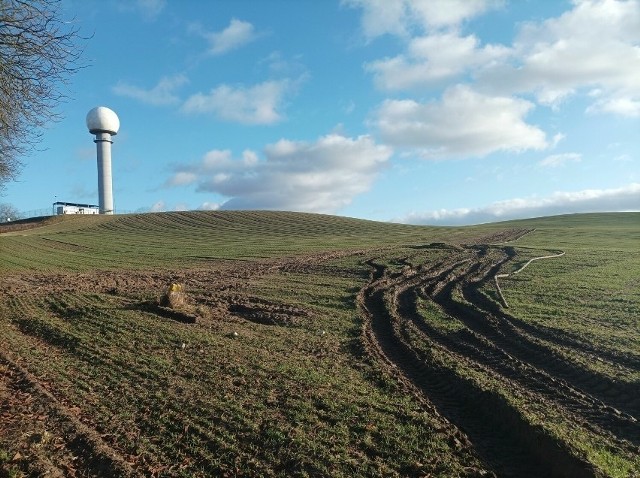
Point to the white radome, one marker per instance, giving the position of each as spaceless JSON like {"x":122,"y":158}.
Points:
{"x":102,"y":120}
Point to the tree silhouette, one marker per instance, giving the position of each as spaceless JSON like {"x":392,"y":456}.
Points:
{"x":8,"y":213}
{"x":38,"y":54}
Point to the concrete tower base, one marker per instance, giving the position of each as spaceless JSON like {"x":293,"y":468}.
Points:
{"x":105,"y":186}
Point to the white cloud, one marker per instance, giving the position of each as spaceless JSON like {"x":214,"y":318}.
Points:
{"x":621,"y":106}
{"x":160,"y":95}
{"x":259,"y":104}
{"x":182,"y":178}
{"x":323,"y":176}
{"x":623,"y":158}
{"x":209,"y":206}
{"x":158,"y":206}
{"x":400,"y":17}
{"x":433,"y":58}
{"x":626,"y":198}
{"x":441,"y":13}
{"x":594,"y":47}
{"x":464,"y":123}
{"x":161,"y":206}
{"x":249,"y":158}
{"x":557,"y":138}
{"x":217,"y":159}
{"x":380,"y":17}
{"x":237,"y":34}
{"x":555,"y":160}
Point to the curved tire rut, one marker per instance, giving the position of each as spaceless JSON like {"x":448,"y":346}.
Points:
{"x":614,"y":405}
{"x":491,"y":342}
{"x":520,"y":340}
{"x":500,"y":434}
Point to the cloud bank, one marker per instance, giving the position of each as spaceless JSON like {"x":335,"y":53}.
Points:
{"x":556,"y":160}
{"x":262,"y":103}
{"x":463,"y":123}
{"x":258,"y":104}
{"x":588,"y":52}
{"x":402,"y":17}
{"x":160,"y":95}
{"x":626,"y":198}
{"x":236,"y":35}
{"x":321,"y":176}
{"x":433,"y":59}
{"x":592,"y":49}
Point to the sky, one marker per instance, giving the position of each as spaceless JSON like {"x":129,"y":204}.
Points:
{"x":438,"y":112}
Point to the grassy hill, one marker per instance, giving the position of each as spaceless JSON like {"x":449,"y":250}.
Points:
{"x":322,"y":346}
{"x":187,"y":238}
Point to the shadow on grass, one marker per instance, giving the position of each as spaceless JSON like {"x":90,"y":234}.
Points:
{"x":48,"y":333}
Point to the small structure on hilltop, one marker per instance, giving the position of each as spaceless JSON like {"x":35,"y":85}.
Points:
{"x":60,"y":208}
{"x":104,"y":123}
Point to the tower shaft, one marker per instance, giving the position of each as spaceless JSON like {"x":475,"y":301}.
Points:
{"x":105,"y":187}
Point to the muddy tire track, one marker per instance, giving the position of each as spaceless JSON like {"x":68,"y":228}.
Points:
{"x":483,"y":316}
{"x":595,"y":414}
{"x":500,"y":434}
{"x":490,"y":341}
{"x":599,"y":401}
{"x":547,"y":334}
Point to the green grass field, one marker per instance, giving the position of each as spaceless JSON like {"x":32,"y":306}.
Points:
{"x":323,"y":346}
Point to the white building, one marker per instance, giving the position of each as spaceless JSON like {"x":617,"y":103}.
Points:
{"x":73,"y":208}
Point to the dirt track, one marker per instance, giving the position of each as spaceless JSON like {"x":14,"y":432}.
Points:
{"x":497,"y":345}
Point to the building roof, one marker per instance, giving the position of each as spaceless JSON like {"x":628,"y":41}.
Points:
{"x":60,"y":203}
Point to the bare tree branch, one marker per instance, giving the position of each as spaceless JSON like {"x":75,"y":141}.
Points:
{"x":39,"y":53}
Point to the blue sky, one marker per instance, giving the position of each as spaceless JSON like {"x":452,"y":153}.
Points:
{"x":421,"y":111}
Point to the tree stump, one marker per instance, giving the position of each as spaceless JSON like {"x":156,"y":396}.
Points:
{"x":174,"y":297}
